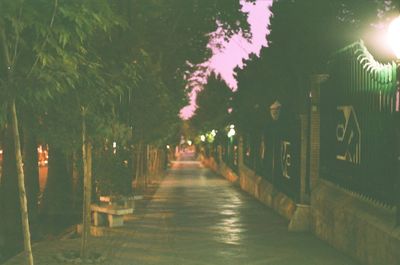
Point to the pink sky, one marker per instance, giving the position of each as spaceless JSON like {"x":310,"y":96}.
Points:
{"x":238,"y":48}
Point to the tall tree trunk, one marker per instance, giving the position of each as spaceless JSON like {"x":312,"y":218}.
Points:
{"x":148,"y":165}
{"x":143,"y":166}
{"x":18,"y":156}
{"x":139,"y":168}
{"x":87,"y":187}
{"x":133,"y":168}
{"x":158,"y":162}
{"x":21,"y":186}
{"x":76,"y":181}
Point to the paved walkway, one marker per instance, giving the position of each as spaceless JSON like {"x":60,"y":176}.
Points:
{"x":196,"y":217}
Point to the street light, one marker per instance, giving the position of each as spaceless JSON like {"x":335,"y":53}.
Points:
{"x":231,"y":131}
{"x":393,"y":36}
{"x":275,"y":110}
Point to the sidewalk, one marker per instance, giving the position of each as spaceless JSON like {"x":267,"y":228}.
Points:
{"x":196,"y":217}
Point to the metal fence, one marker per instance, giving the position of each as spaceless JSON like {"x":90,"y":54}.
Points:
{"x":275,"y":154}
{"x":253,"y":156}
{"x":358,"y":137}
{"x":230,"y":152}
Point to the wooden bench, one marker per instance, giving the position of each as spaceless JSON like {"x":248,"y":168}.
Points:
{"x":110,"y":215}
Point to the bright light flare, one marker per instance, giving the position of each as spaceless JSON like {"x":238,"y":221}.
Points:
{"x":231,"y":132}
{"x":393,"y":36}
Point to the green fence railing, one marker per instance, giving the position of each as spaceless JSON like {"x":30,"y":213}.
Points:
{"x":358,"y":128}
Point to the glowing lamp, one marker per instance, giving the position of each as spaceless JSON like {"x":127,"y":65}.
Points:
{"x":231,"y":131}
{"x":275,"y":110}
{"x":393,"y":36}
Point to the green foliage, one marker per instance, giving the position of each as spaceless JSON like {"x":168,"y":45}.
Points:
{"x":176,"y":31}
{"x":52,"y":59}
{"x":175,"y":34}
{"x":257,"y":89}
{"x":213,"y":103}
{"x":47,"y":43}
{"x":112,"y":174}
{"x":154,"y":111}
{"x":124,"y":62}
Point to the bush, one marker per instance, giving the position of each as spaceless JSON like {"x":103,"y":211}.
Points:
{"x":112,"y":175}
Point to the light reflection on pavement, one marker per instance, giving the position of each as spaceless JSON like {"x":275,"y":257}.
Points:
{"x":197,"y":217}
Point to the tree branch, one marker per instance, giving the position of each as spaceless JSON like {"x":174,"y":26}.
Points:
{"x":14,"y":59}
{"x":5,"y":48}
{"x":47,"y":36}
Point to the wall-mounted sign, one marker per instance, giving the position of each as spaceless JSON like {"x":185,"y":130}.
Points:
{"x":286,"y":158}
{"x":348,"y":135}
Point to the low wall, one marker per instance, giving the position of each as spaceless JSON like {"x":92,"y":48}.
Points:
{"x":228,"y":173}
{"x":347,"y":221}
{"x":264,"y":191}
{"x":209,"y":162}
{"x":355,"y":225}
{"x":257,"y":186}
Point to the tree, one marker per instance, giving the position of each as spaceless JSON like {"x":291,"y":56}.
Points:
{"x":51,"y":67}
{"x":213,"y":104}
{"x":170,"y":38}
{"x":303,"y":36}
{"x":175,"y":34}
{"x":52,"y":51}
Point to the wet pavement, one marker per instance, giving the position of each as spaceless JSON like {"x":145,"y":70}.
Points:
{"x":197,"y":217}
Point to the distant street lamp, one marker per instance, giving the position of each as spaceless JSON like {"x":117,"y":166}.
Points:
{"x":231,"y":131}
{"x":275,"y":110}
{"x":394,"y":42}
